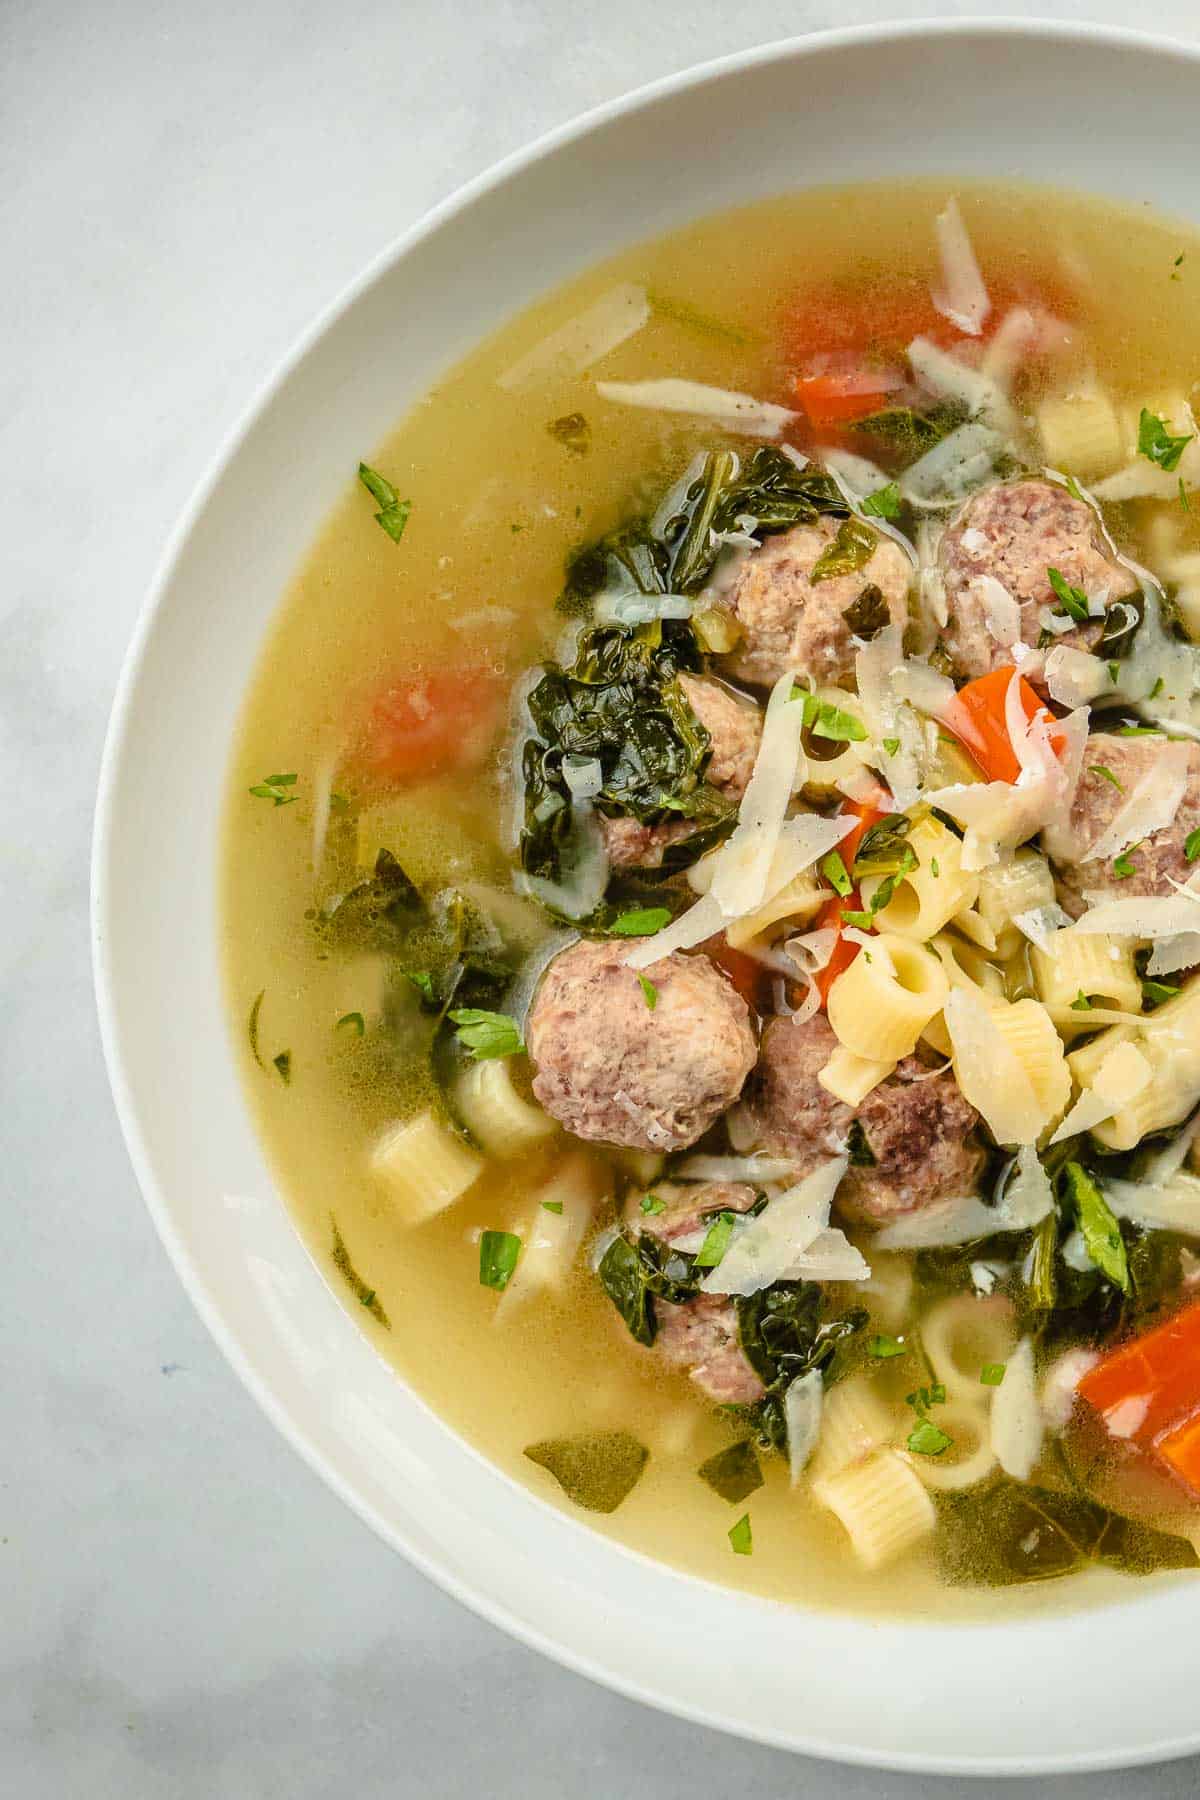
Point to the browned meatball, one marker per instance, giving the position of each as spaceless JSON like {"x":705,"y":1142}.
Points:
{"x":791,"y":622}
{"x":918,"y":1130}
{"x":701,"y":1336}
{"x":1015,"y":532}
{"x":735,"y":727}
{"x":611,"y":1067}
{"x":1097,"y":803}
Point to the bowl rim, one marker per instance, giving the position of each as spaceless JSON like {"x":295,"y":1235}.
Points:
{"x":102,"y":895}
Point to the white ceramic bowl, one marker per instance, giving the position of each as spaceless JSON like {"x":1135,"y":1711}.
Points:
{"x":1068,"y":104}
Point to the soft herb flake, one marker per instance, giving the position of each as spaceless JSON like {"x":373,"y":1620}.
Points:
{"x":1156,"y":443}
{"x":640,"y":921}
{"x":393,"y":513}
{"x":733,"y":1473}
{"x":1105,"y":774}
{"x":992,"y":1374}
{"x":485,"y":1034}
{"x":835,"y":873}
{"x":884,"y":1346}
{"x":283,"y":1066}
{"x":498,"y":1253}
{"x":741,"y":1538}
{"x":352,"y":1021}
{"x":1073,"y":599}
{"x":649,"y":991}
{"x":365,"y":1294}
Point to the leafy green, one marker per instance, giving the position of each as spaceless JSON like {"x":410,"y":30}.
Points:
{"x":640,"y":921}
{"x":909,"y":434}
{"x":552,"y":1206}
{"x":928,"y":1439}
{"x":834,"y":871}
{"x":1105,"y":774}
{"x":1072,"y":599}
{"x":1009,"y":1532}
{"x":1097,"y":1222}
{"x":733,"y":1473}
{"x":858,"y":1146}
{"x":486,"y":1034}
{"x":377,"y":913}
{"x":352,"y":1021}
{"x":1154,"y":993}
{"x":621,"y":704}
{"x":650,"y":1203}
{"x":1122,"y":622}
{"x":884,"y":503}
{"x":365,"y":1294}
{"x":716,"y":1241}
{"x":572,"y":431}
{"x":992,"y":1374}
{"x":649,"y":991}
{"x":498,"y":1253}
{"x":1081,"y":1003}
{"x":1122,"y":866}
{"x":1191,"y":845}
{"x":634,"y":1271}
{"x":1157,"y":445}
{"x":884,"y":848}
{"x":393,"y":513}
{"x":252,"y":1026}
{"x":275,"y":788}
{"x":785,"y":1331}
{"x":741,"y":1538}
{"x":283,"y":1066}
{"x":884,"y":1346}
{"x":825,"y":720}
{"x":852,"y":549}
{"x":869,"y":614}
{"x":597,"y":1470}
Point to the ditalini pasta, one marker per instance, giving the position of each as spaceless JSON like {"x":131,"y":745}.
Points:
{"x":719,"y":971}
{"x":882,"y":1504}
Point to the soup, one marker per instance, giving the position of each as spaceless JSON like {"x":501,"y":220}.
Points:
{"x":708,"y":889}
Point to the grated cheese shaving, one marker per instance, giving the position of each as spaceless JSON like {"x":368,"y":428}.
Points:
{"x":672,"y":394}
{"x":582,"y":341}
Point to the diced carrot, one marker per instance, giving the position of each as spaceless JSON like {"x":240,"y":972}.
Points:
{"x":838,"y":398}
{"x":425,"y":724}
{"x":1180,"y":1450}
{"x":749,"y":977}
{"x":1148,"y":1393}
{"x":976,"y":716}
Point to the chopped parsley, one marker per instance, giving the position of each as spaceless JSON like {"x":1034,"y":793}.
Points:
{"x":884,"y":503}
{"x":1122,"y":868}
{"x":485,"y":1034}
{"x":352,"y":1021}
{"x":867,"y":616}
{"x":275,"y":788}
{"x":641,"y":921}
{"x":884,"y":1346}
{"x":825,"y":720}
{"x":393,"y":512}
{"x":652,"y":1204}
{"x":928,"y":1439}
{"x":252,"y":1026}
{"x":858,"y":1146}
{"x":552,"y":1206}
{"x":834,"y":871}
{"x":1105,"y":774}
{"x":498,"y":1253}
{"x":716,"y":1241}
{"x":1081,"y":1003}
{"x":891,"y":745}
{"x":1183,"y":496}
{"x":1191,"y":845}
{"x":1156,"y":443}
{"x":649,"y":991}
{"x":933,"y":867}
{"x":1138,"y":731}
{"x":365,"y":1294}
{"x":1156,"y":690}
{"x":283,"y":1065}
{"x":741,"y":1539}
{"x":422,"y":980}
{"x":1073,"y":600}
{"x":1155,"y":992}
{"x":992,"y":1374}
{"x":1114,"y":672}
{"x":1101,"y":1232}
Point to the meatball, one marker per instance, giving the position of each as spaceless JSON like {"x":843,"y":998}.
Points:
{"x":610,"y":1067}
{"x":916,"y":1125}
{"x":735,"y":728}
{"x":1015,"y":532}
{"x":791,"y":622}
{"x":701,"y":1336}
{"x":1097,"y":802}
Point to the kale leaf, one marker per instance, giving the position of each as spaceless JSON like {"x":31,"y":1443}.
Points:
{"x":1009,"y":1532}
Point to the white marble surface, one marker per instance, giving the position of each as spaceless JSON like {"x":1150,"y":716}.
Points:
{"x":184,"y":1610}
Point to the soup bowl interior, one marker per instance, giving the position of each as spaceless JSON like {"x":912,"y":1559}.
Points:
{"x":1064,"y":1688}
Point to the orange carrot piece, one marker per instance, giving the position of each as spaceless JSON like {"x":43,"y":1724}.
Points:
{"x":1180,"y":1450}
{"x":976,"y":718}
{"x":1162,"y":1367}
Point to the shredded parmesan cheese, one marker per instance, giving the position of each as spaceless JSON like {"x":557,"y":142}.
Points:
{"x":740,"y":412}
{"x":582,"y":341}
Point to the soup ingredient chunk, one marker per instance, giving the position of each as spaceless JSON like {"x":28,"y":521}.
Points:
{"x":913,"y":1142}
{"x":613,"y":1067}
{"x":701,"y":1336}
{"x":1015,"y":533}
{"x":790,"y":599}
{"x":735,"y":729}
{"x":684,"y":1212}
{"x":1133,"y":869}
